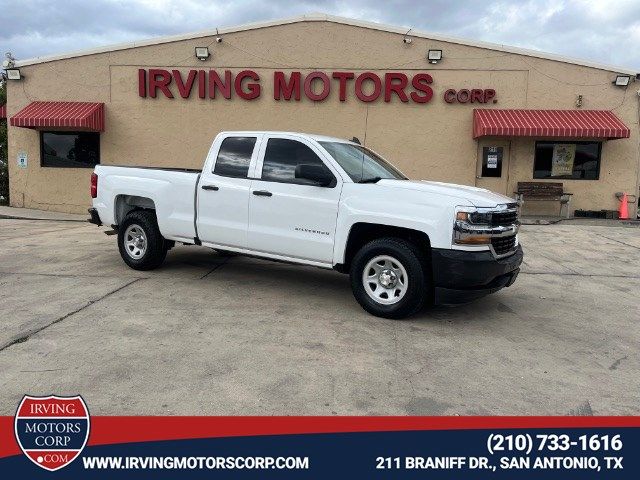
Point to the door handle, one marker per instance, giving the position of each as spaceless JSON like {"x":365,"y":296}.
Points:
{"x":210,"y":187}
{"x":262,"y":193}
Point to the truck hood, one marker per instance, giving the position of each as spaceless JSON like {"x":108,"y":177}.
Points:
{"x":478,"y":197}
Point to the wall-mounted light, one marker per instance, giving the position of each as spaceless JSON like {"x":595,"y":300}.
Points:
{"x":13,"y":74}
{"x":434,"y":56}
{"x":202,"y":53}
{"x":622,"y":80}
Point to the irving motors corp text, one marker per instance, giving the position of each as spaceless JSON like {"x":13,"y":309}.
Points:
{"x":292,"y":86}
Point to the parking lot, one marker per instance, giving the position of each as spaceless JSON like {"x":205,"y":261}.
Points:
{"x":215,"y":335}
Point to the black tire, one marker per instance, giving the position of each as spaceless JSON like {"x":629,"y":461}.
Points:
{"x":415,"y":263}
{"x":156,"y":245}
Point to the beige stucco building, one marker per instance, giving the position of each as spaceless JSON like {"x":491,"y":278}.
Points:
{"x":369,"y":71}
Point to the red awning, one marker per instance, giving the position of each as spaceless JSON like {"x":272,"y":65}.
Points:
{"x":548,"y":123}
{"x":84,"y":116}
{"x":3,"y":111}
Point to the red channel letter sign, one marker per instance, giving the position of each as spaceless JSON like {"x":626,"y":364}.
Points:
{"x":293,"y":86}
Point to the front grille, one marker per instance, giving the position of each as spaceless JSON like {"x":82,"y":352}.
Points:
{"x":503,"y":245}
{"x":504,"y":218}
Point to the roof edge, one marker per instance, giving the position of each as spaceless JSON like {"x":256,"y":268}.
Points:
{"x":321,"y":17}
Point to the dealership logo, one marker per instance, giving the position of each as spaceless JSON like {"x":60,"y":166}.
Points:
{"x":52,"y":431}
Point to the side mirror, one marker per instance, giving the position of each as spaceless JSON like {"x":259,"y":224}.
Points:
{"x":318,"y":174}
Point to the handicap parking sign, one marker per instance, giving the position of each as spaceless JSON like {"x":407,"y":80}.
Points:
{"x":22,"y":159}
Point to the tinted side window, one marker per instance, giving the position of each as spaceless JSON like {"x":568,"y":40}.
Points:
{"x":70,"y":149}
{"x":281,"y":158}
{"x":234,"y":157}
{"x":575,"y":160}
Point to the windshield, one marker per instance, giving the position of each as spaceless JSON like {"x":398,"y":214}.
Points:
{"x":360,"y":163}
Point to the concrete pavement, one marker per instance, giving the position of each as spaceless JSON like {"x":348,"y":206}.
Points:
{"x":29,"y":213}
{"x":215,"y":335}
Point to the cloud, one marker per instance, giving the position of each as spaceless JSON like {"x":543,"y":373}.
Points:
{"x":595,"y":30}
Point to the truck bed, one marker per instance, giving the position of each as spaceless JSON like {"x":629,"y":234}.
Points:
{"x":170,"y":190}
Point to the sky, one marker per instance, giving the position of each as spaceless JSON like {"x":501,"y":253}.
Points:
{"x":600,"y":31}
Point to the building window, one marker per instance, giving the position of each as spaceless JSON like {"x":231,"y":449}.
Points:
{"x":570,"y":160}
{"x":234,"y":157}
{"x":281,"y":158}
{"x":69,"y":149}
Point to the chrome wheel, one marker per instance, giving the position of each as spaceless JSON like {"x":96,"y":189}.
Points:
{"x":385,"y":280}
{"x":135,"y":242}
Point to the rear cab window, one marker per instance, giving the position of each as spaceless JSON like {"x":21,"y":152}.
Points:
{"x":234,"y":157}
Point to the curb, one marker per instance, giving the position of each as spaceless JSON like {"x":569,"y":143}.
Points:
{"x":584,"y":222}
{"x":15,"y":217}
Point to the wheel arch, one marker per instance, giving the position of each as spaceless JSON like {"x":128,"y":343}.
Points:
{"x":125,"y":204}
{"x":361,"y":233}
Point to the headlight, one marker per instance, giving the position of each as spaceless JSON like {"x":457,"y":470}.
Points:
{"x":471,"y":227}
{"x":479,"y":226}
{"x":476,"y":218}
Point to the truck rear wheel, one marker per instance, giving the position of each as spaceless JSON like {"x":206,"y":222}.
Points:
{"x":141,"y":244}
{"x":388,"y":278}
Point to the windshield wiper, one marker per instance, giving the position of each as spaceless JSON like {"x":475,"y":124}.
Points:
{"x":370,"y":180}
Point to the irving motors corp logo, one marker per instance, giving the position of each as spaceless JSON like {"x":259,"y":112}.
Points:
{"x":52,"y":431}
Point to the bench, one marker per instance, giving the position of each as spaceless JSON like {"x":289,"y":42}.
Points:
{"x":539,"y":191}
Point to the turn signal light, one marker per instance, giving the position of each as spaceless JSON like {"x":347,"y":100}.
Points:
{"x":94,"y":185}
{"x":474,"y":240}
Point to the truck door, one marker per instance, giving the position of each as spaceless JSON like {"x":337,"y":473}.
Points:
{"x":290,"y":216}
{"x":223,"y":192}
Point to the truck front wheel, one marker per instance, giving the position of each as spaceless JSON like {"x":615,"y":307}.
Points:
{"x":388,"y":278}
{"x":141,"y":244}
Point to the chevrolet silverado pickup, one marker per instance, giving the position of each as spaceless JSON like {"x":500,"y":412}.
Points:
{"x":321,"y":201}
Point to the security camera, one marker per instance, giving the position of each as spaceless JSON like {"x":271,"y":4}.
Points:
{"x":218,"y":39}
{"x":10,"y":61}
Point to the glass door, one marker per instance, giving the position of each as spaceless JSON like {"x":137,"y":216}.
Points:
{"x":492,"y":170}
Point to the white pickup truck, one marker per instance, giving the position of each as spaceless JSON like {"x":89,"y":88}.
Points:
{"x":320,"y":201}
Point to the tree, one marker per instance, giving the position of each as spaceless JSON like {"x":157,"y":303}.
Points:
{"x":4,"y":163}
